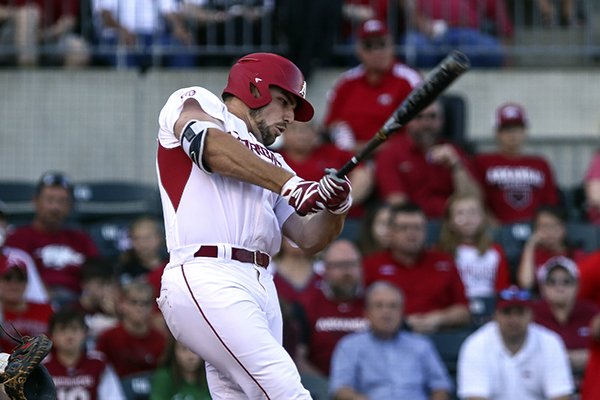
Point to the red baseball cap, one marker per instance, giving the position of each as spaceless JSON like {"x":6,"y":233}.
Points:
{"x":513,"y":296}
{"x":510,"y":114}
{"x":371,"y":28}
{"x":8,"y":264}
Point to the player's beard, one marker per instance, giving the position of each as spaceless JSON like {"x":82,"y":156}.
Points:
{"x":264,"y":134}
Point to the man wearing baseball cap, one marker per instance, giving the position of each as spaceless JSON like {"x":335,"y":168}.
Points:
{"x":365,"y":96}
{"x":512,"y":357}
{"x":29,"y":319}
{"x":58,"y":250}
{"x":515,"y":184}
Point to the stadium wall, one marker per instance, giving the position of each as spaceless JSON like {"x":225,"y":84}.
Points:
{"x":98,"y":125}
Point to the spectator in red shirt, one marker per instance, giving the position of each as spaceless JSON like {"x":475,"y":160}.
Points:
{"x":561,"y":311}
{"x":549,"y":239}
{"x":133,"y":346}
{"x":77,"y":373}
{"x":435,"y":295}
{"x":439,"y":26}
{"x":58,"y":251}
{"x":421,"y":168}
{"x":26,"y":318}
{"x":515,"y":184}
{"x":365,"y":96}
{"x":590,"y":388}
{"x":589,"y":288}
{"x":330,"y":310}
{"x":465,"y":233}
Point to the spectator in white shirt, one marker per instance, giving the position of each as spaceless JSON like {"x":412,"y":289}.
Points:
{"x":513,"y":358}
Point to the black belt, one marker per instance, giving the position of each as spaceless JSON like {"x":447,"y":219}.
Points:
{"x":242,"y":255}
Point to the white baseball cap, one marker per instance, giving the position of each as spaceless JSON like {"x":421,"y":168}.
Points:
{"x":558,"y":262}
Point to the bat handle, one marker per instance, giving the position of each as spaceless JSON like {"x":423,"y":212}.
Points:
{"x":347,"y":168}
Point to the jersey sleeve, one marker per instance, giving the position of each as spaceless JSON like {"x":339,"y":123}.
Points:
{"x":170,"y":112}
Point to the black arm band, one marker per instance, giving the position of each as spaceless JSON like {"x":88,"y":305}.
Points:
{"x":192,"y":141}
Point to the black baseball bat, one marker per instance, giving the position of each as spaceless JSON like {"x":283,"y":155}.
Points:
{"x":423,"y":95}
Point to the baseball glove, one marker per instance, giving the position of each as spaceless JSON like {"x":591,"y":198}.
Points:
{"x":24,"y":378}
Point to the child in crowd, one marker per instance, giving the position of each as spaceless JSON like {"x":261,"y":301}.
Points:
{"x":77,"y":373}
{"x":181,"y":376}
{"x":374,"y":232}
{"x":549,"y":239}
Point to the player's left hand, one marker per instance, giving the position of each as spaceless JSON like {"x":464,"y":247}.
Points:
{"x":336,"y":192}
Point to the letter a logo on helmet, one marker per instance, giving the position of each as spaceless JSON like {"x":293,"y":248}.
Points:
{"x":261,"y":70}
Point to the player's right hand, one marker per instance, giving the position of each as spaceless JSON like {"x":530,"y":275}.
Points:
{"x":336,"y":192}
{"x":303,"y":195}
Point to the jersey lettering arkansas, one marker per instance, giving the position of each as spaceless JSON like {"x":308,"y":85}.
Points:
{"x":80,"y":382}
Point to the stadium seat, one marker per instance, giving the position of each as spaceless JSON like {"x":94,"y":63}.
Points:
{"x":448,"y":345}
{"x":583,"y":235}
{"x":111,"y":237}
{"x":433,"y":232}
{"x":98,"y":201}
{"x":455,"y":123}
{"x":17,"y":197}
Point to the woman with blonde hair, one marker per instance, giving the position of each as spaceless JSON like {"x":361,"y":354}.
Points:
{"x":465,"y":233}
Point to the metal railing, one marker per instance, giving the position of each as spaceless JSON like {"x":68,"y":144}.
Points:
{"x":536,"y":40}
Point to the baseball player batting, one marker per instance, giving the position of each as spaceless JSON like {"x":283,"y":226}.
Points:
{"x":227,"y":199}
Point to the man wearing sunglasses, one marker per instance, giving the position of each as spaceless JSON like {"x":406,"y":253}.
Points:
{"x":512,"y":357}
{"x":365,"y":96}
{"x":561,"y":311}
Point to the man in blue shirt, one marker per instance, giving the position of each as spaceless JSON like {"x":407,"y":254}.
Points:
{"x":385,"y":362}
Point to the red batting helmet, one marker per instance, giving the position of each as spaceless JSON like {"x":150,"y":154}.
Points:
{"x":262,"y":70}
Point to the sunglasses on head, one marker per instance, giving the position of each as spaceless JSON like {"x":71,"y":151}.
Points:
{"x":514,"y":294}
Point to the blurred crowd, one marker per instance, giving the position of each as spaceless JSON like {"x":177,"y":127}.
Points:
{"x":188,"y":33}
{"x":456,"y":273}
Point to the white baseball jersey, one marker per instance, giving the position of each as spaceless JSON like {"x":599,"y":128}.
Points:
{"x":539,"y":371}
{"x":224,"y":310}
{"x":210,"y":209}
